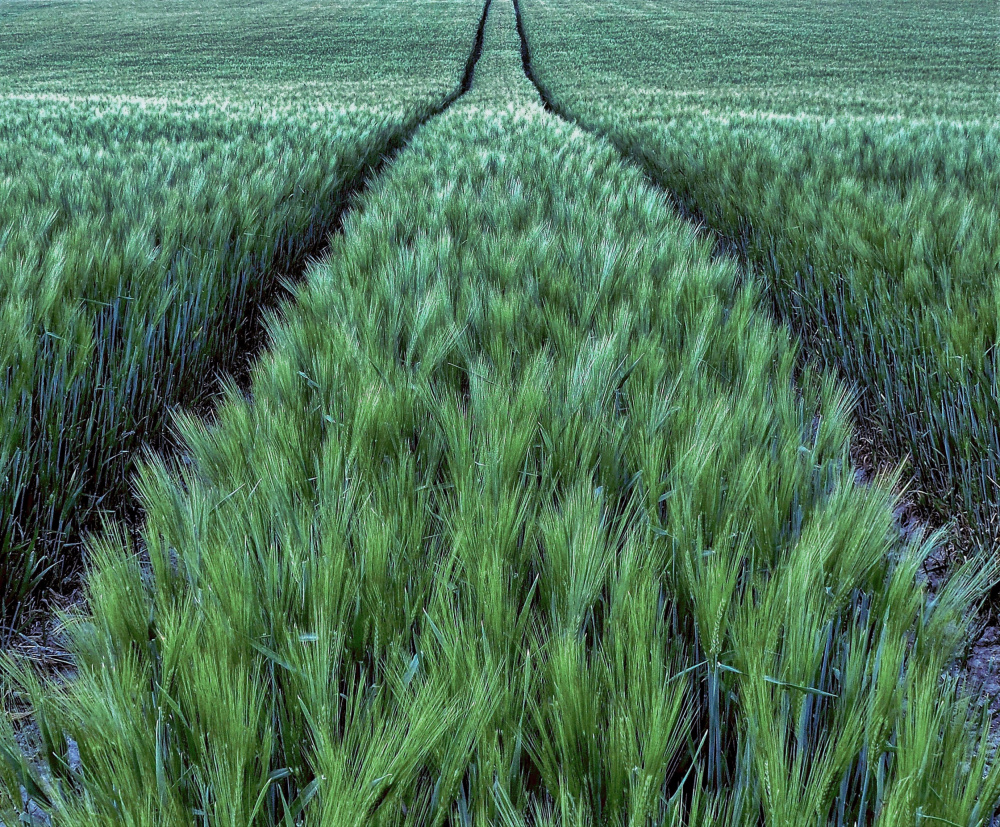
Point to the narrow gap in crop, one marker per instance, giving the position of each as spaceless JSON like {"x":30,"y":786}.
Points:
{"x":547,"y":100}
{"x":723,"y":246}
{"x":868,"y":456}
{"x":254,"y":338}
{"x":474,"y":55}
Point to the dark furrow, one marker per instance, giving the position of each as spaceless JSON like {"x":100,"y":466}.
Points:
{"x":252,"y":340}
{"x":255,"y":336}
{"x":869,"y":456}
{"x":474,"y":55}
{"x":724,"y":246}
{"x":256,"y":341}
{"x":547,"y":100}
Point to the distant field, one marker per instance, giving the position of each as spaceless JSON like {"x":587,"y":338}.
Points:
{"x":528,"y":511}
{"x":935,"y":58}
{"x":852,"y":154}
{"x":369,"y":52}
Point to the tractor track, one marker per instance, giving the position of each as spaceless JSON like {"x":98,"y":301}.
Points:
{"x":256,"y":337}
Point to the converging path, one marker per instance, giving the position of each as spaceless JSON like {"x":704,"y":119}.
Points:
{"x":500,"y":79}
{"x":529,"y":518}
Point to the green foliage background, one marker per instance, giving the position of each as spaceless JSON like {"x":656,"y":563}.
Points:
{"x":529,"y":513}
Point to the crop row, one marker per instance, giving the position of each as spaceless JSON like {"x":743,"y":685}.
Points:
{"x":530,"y":518}
{"x":877,"y":238}
{"x":139,"y":242}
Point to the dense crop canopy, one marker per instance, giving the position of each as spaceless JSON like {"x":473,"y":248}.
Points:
{"x":530,"y":517}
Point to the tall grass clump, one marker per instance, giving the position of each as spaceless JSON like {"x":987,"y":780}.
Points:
{"x":137,"y":246}
{"x":875,"y":232}
{"x":139,"y":239}
{"x":526,"y":520}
